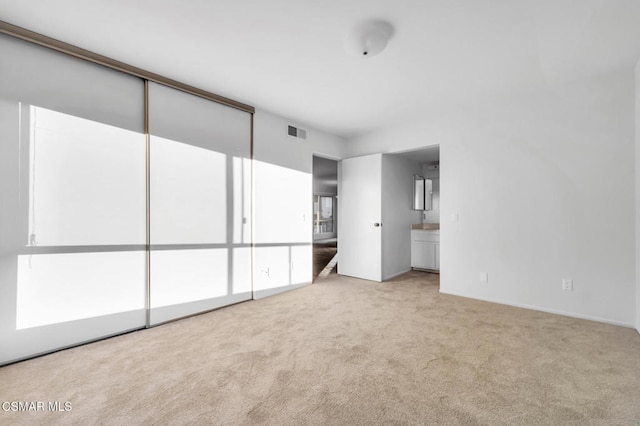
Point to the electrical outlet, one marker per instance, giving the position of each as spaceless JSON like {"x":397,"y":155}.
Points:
{"x":567,"y":285}
{"x":484,"y":277}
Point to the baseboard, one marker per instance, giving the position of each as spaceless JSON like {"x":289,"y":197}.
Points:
{"x":433,"y":271}
{"x":542,"y":309}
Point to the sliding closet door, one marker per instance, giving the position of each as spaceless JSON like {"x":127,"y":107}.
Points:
{"x":200,"y":204}
{"x":72,"y":190}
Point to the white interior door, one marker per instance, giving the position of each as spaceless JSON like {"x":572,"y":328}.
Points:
{"x":360,"y":217}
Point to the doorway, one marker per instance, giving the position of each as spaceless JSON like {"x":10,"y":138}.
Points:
{"x":378,"y":220}
{"x":325,"y":216}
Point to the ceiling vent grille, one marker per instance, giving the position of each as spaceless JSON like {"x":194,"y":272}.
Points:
{"x":298,"y":133}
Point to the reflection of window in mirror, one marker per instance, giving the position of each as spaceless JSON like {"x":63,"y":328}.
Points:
{"x":422,"y":193}
{"x":323,"y":214}
{"x":418,"y":192}
{"x":428,"y":194}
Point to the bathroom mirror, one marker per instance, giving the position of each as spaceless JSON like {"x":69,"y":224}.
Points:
{"x":422,"y":193}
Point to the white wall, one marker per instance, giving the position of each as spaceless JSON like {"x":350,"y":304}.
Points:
{"x":543,"y":185}
{"x":637,"y":157}
{"x":283,"y":202}
{"x":397,"y":216}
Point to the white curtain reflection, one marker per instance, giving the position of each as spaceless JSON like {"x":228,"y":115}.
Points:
{"x":55,"y":288}
{"x":86,"y":182}
{"x":200,"y":176}
{"x":181,"y":276}
{"x":188,"y":193}
{"x":86,"y":186}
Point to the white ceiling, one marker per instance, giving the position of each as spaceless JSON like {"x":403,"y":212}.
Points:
{"x":287,"y":56}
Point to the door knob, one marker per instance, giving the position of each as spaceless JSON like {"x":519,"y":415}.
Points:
{"x":377,"y":224}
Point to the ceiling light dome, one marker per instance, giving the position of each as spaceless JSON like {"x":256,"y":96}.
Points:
{"x":368,"y":38}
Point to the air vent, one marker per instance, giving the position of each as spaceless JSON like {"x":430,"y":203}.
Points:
{"x":298,"y":133}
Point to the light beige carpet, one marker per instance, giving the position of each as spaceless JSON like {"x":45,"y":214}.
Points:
{"x":345,"y":352}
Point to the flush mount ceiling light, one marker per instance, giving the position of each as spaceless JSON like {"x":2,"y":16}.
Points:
{"x":368,"y":38}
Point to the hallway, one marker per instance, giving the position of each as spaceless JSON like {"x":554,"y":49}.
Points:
{"x":323,"y":252}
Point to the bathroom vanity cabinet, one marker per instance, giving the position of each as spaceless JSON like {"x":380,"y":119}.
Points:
{"x":425,"y":249}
